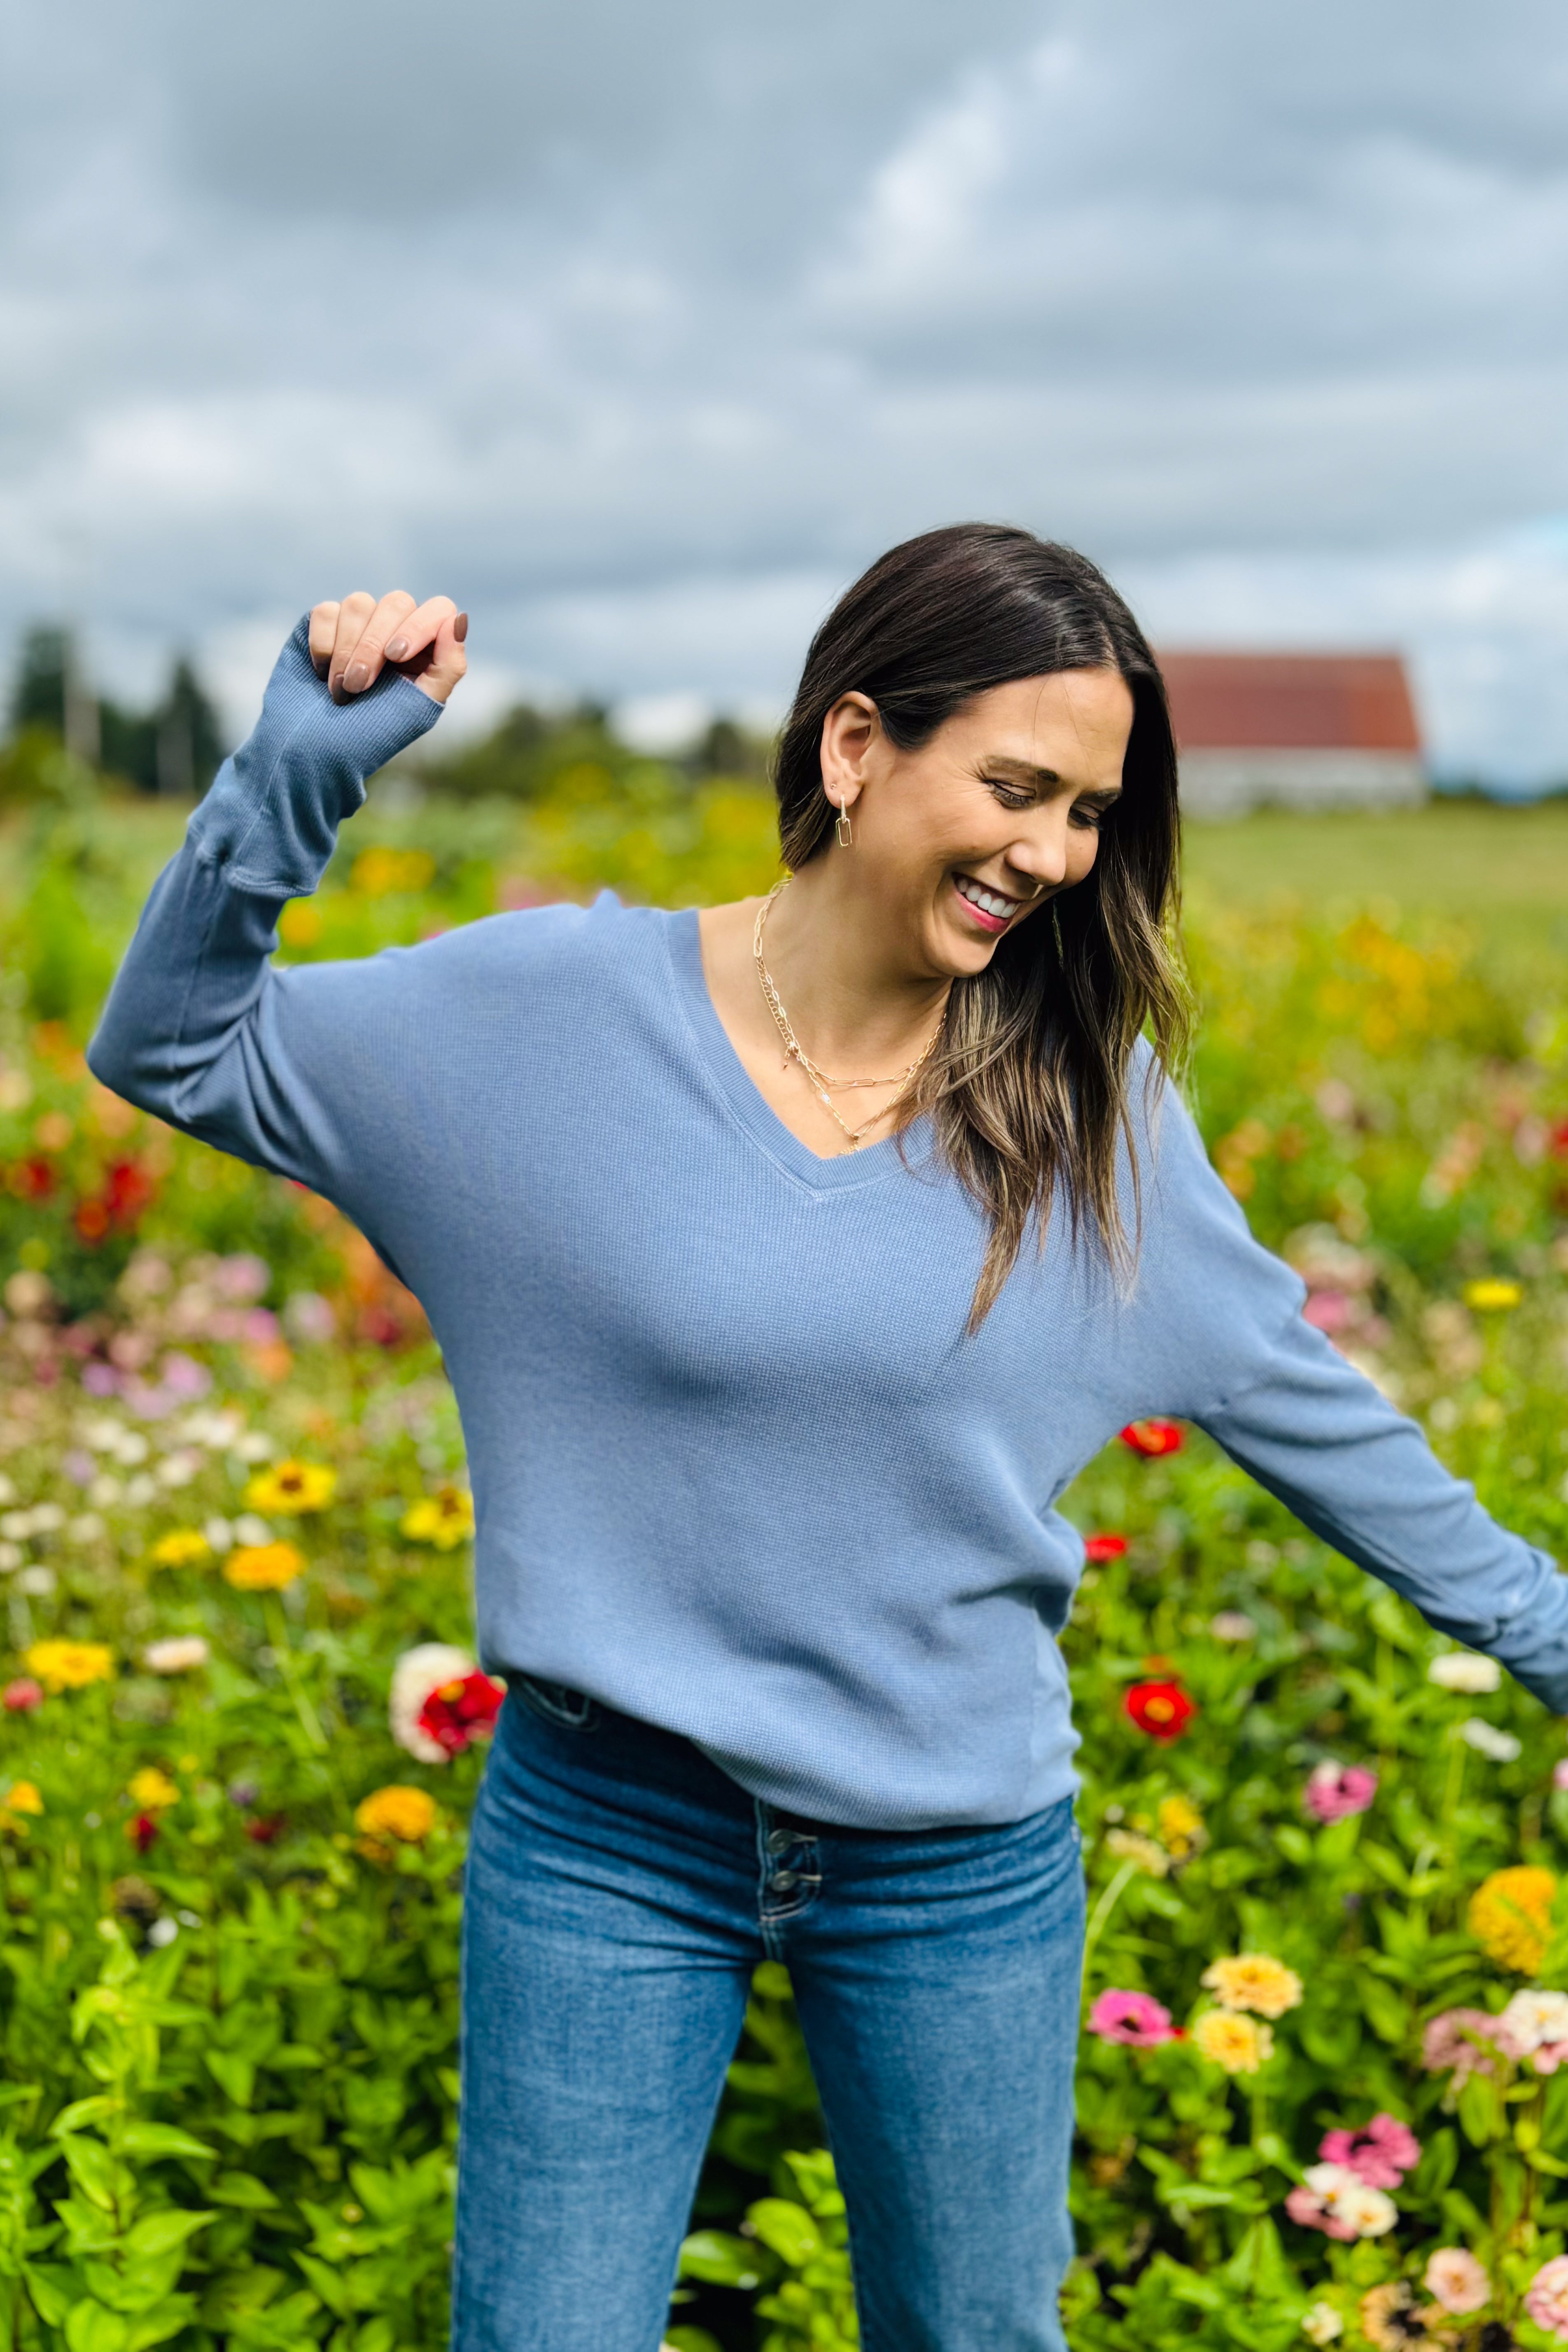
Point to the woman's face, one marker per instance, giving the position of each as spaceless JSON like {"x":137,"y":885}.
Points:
{"x":968,"y":836}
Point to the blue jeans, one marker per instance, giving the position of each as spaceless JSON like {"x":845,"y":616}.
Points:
{"x":620,"y":1890}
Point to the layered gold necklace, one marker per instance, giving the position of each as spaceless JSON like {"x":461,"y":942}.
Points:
{"x":822,"y":1086}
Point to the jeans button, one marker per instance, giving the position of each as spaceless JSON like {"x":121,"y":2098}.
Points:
{"x":782,"y":1880}
{"x":780,"y":1841}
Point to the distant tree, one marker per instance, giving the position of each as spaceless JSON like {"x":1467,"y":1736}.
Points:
{"x":39,"y":695}
{"x":190,"y":745}
{"x":174,"y":749}
{"x":729,"y":750}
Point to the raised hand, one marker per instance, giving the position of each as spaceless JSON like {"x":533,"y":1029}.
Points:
{"x":353,"y":641}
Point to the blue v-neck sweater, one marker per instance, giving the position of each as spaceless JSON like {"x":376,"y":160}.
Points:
{"x":739,"y":1469}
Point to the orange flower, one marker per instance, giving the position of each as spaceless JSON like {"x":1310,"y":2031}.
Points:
{"x":398,"y":1813}
{"x":1510,"y":1916}
{"x":263,"y":1567}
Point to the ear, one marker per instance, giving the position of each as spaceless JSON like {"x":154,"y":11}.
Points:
{"x":851,"y":733}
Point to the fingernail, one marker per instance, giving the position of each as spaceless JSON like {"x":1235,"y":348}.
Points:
{"x":460,"y":627}
{"x":356,"y":676}
{"x":398,"y":649}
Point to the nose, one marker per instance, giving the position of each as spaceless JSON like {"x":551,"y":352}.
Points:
{"x":1040,"y":854}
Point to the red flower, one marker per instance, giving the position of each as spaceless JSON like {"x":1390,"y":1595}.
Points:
{"x":267,"y":1828}
{"x":1560,"y":1140}
{"x":31,"y":1180}
{"x":141,"y":1830}
{"x":1152,"y":1437}
{"x":460,"y":1712}
{"x":22,"y":1696}
{"x":1162,"y":1709}
{"x":127,"y":1190}
{"x":1104,"y":1547}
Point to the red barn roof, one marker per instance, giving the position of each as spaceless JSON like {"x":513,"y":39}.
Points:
{"x":1296,"y":702}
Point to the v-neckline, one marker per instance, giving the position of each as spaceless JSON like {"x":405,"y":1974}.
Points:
{"x":872,"y":1164}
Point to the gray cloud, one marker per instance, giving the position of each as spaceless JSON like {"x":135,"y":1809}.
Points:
{"x":646,"y":330}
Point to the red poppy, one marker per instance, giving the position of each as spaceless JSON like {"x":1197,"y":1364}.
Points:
{"x":141,"y":1830}
{"x":458,"y":1713}
{"x":1104,"y":1547}
{"x":1152,"y":1436}
{"x":1162,"y":1709}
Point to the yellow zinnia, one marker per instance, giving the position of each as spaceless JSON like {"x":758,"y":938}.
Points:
{"x":263,"y":1567}
{"x":69,"y":1665}
{"x":20,"y":1798}
{"x":286,"y":1489}
{"x":1182,"y":1830}
{"x":181,"y":1547}
{"x":1491,"y":1295}
{"x":408,"y":1815}
{"x":1253,"y":1981}
{"x":1237,"y":2044}
{"x":149,"y":1791}
{"x":444,"y":1518}
{"x":1510,"y":1916}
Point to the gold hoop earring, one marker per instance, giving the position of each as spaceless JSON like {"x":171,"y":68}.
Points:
{"x":843,"y":829}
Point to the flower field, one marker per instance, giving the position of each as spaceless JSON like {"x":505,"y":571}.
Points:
{"x":1323,"y":2092}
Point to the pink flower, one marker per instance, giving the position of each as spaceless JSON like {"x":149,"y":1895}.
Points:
{"x":1313,"y":2214}
{"x":1547,"y":2299}
{"x":1381,"y":2153}
{"x":1133,"y":2018}
{"x":22,"y":1696}
{"x":1549,"y":2057}
{"x":1455,"y":2280}
{"x":1333,"y":1792}
{"x":1463,"y":2038}
{"x":1560,"y":1773}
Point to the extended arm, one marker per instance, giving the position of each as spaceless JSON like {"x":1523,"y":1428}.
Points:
{"x":198,"y":1027}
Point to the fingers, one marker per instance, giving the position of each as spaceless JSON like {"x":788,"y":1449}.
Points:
{"x":446,"y":657}
{"x":353,"y":640}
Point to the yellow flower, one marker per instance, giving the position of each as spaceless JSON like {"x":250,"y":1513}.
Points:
{"x":1182,"y":1830}
{"x":289,"y":1487}
{"x":444,"y":1518}
{"x":263,"y":1567}
{"x":1253,"y":1980}
{"x":69,"y":1665}
{"x":20,"y":1798}
{"x":1491,"y":1295}
{"x":1240,"y":2044}
{"x":149,"y":1791}
{"x":408,"y":1815}
{"x":1128,"y":1846}
{"x":1510,"y":1916}
{"x":181,"y":1547}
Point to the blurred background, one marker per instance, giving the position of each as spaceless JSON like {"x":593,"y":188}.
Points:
{"x":642,"y":331}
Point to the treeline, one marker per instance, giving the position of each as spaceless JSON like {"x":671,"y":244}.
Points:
{"x":174,"y":749}
{"x":536,"y":755}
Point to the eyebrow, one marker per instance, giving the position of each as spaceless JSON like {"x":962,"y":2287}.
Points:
{"x":1025,"y":774}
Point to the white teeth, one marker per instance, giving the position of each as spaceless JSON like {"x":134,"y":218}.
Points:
{"x":987,"y":900}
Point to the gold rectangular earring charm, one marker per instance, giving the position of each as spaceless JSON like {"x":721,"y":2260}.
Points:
{"x":842,"y":828}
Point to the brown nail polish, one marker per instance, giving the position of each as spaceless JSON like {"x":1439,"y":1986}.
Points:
{"x":460,"y":627}
{"x":356,"y":676}
{"x":398,"y":649}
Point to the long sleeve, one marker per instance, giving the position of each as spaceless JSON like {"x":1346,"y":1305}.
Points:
{"x":1318,"y":1433}
{"x":199,"y":1028}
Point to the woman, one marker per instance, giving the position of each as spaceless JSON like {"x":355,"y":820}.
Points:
{"x":789,"y":1260}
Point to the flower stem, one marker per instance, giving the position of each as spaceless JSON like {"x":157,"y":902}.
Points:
{"x":282,"y":1650}
{"x":1104,"y":1909}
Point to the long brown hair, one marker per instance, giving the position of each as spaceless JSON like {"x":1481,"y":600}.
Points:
{"x":1028,"y":1088}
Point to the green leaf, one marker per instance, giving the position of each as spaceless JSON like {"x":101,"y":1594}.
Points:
{"x":157,"y":2325}
{"x":243,"y":2190}
{"x":788,"y":2229}
{"x":92,"y":2169}
{"x":719,"y":2260}
{"x":90,"y":2329}
{"x":235,"y":2076}
{"x":160,"y":2233}
{"x":140,"y":2138}
{"x":53,"y":2289}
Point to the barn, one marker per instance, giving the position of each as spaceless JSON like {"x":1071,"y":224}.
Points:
{"x":1297,"y":730}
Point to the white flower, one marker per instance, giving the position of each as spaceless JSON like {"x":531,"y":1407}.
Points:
{"x":48,"y":1518}
{"x":102,"y":1433}
{"x":180,"y":1654}
{"x":1488,"y":1741}
{"x":85,"y":1529}
{"x":1534,"y":2018}
{"x":37,"y":1583}
{"x":16,"y":1526}
{"x":141,"y":1490}
{"x":105,"y":1492}
{"x":179,"y":1468}
{"x":1346,"y":2196}
{"x":219,"y":1534}
{"x":130,"y":1449}
{"x":248,"y":1529}
{"x":1320,"y":2324}
{"x":11,"y":1556}
{"x":418,"y":1671}
{"x":1465,"y":1670}
{"x":216,"y":1429}
{"x":253,"y":1448}
{"x":162,"y":1934}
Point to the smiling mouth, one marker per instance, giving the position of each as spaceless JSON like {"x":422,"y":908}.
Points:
{"x":990,"y":909}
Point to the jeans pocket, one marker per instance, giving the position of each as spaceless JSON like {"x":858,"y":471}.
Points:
{"x":569,"y":1710}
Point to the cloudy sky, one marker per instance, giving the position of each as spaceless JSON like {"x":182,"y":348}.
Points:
{"x":641,"y":329}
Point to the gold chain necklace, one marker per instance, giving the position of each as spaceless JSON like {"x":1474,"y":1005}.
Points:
{"x":822,"y":1085}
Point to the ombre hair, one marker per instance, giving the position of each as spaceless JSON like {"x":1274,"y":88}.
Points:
{"x":1028,"y":1089}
